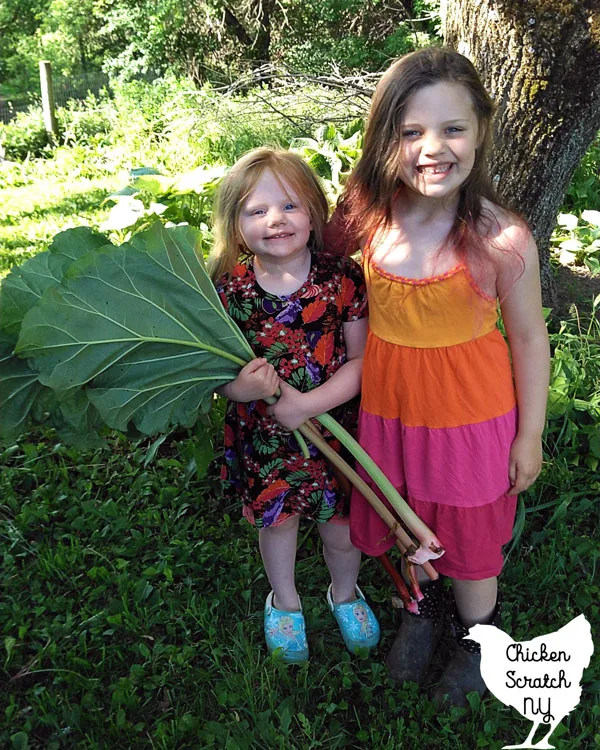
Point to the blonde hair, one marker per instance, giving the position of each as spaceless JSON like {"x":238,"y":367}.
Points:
{"x":237,"y":185}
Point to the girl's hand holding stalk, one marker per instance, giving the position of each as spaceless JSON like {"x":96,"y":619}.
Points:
{"x":257,"y":380}
{"x":292,"y":407}
{"x":525,"y":462}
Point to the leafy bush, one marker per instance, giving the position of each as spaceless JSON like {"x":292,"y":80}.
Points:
{"x":186,"y":198}
{"x":577,"y":240}
{"x":25,"y":136}
{"x":332,"y":154}
{"x":88,"y":122}
{"x":189,"y":197}
{"x":584,"y":189}
{"x":573,"y":430}
{"x":78,"y":123}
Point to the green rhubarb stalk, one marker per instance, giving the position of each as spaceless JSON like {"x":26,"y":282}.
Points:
{"x":431,"y":547}
{"x":405,"y":544}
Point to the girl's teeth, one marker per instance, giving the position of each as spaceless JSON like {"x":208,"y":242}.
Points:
{"x":436,"y":170}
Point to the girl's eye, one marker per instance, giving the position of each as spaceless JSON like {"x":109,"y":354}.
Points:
{"x":455,"y":129}
{"x":289,"y":206}
{"x":409,"y":133}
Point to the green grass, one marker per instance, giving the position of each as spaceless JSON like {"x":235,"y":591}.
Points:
{"x":43,"y":197}
{"x":132,"y":617}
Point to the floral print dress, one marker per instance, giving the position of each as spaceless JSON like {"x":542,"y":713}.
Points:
{"x":301,"y":336}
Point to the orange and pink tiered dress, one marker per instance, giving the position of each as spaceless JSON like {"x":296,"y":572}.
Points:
{"x":439,"y":415}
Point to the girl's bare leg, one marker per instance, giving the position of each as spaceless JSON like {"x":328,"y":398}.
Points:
{"x":277,"y":546}
{"x":342,"y":558}
{"x":475,"y":600}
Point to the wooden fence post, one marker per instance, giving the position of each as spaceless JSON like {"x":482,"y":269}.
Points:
{"x":48,"y":99}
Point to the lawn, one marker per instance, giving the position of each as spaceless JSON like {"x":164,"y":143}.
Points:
{"x":131,"y":617}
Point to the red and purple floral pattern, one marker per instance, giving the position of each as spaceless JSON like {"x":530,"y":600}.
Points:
{"x":301,"y":336}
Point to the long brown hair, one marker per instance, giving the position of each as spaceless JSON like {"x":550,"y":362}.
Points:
{"x":367,"y":202}
{"x":237,"y":185}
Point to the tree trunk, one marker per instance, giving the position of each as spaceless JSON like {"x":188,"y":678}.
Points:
{"x":540,"y":60}
{"x":262,"y":44}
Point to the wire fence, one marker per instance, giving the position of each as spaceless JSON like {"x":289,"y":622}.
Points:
{"x":65,"y":90}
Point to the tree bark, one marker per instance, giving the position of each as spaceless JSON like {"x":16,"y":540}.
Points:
{"x":540,"y":60}
{"x":264,"y":10}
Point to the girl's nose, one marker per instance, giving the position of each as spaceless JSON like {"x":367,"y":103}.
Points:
{"x":275,"y":217}
{"x":434,"y":144}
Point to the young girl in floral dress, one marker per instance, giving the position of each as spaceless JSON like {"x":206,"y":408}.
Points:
{"x":304,"y":314}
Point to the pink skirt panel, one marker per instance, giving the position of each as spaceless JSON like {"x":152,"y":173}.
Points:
{"x":464,"y":466}
{"x":473,"y":537}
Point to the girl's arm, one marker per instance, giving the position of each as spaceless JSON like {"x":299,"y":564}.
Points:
{"x":256,"y":380}
{"x":528,"y":340}
{"x":294,"y":408}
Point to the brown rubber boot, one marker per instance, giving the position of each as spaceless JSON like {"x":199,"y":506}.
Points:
{"x":463,"y":673}
{"x":417,"y":637}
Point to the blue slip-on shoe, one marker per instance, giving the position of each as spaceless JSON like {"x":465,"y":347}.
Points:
{"x":357,"y":622}
{"x":285,"y":631}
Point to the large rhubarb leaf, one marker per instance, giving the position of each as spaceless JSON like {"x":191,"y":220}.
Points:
{"x":142,"y":327}
{"x":19,"y":389}
{"x":23,"y":398}
{"x":25,"y":284}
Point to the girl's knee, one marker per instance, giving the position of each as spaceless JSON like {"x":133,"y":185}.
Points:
{"x":336,"y":537}
{"x":289,"y":525}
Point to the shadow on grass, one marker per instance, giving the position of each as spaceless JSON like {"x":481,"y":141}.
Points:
{"x":575,"y":286}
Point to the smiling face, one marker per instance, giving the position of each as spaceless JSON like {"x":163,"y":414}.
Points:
{"x":440,"y":134}
{"x":273,"y":222}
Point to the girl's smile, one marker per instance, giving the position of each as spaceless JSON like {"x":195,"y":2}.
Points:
{"x":439,"y":137}
{"x":273,"y":222}
{"x":434,"y":168}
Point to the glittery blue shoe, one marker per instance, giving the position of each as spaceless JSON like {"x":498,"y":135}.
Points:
{"x":285,"y":631}
{"x":357,"y":622}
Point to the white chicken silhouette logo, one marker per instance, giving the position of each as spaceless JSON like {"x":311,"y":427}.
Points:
{"x":540,"y":678}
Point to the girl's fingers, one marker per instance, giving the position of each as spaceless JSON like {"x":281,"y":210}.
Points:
{"x":255,"y":365}
{"x":522,"y":480}
{"x":512,"y":471}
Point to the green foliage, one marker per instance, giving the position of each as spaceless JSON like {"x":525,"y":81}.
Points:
{"x":140,"y":326}
{"x":150,"y":196}
{"x":577,"y":240}
{"x":83,"y":123}
{"x":210,"y":40}
{"x":353,"y":35}
{"x":135,"y":611}
{"x":189,"y":197}
{"x":573,"y":432}
{"x":88,"y":122}
{"x":23,"y":399}
{"x":24,"y":136}
{"x":332,"y":154}
{"x":584,"y":190}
